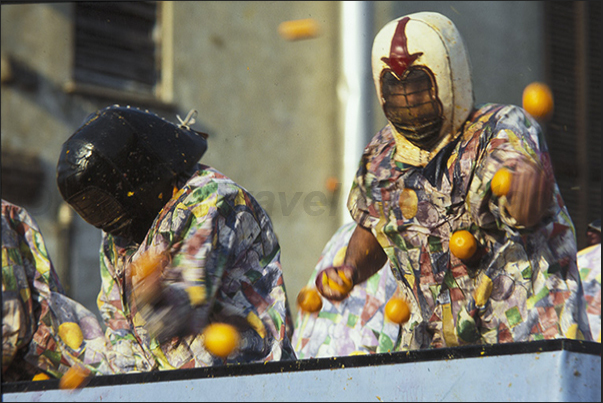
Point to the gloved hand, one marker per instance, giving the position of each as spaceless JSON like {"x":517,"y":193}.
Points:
{"x":165,"y":309}
{"x":529,"y":193}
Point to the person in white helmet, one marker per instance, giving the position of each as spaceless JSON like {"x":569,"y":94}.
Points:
{"x":430,"y":174}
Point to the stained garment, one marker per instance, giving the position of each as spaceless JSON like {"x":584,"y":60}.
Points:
{"x":34,"y":307}
{"x":224,"y":265}
{"x":355,"y":325}
{"x":589,"y":264}
{"x":529,"y":284}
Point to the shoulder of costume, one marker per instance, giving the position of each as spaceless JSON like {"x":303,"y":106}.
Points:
{"x":382,"y":143}
{"x":590,"y":249}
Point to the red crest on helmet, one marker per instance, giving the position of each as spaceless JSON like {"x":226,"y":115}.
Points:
{"x":399,"y":59}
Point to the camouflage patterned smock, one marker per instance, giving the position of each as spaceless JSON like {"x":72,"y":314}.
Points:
{"x":526,"y":286}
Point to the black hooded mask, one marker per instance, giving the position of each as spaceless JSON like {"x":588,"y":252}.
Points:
{"x":118,"y":169}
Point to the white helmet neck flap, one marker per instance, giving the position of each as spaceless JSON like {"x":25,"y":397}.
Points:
{"x":422,"y":56}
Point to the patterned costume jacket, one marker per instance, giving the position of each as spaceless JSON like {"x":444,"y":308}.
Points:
{"x":525,"y":285}
{"x":223,"y":264}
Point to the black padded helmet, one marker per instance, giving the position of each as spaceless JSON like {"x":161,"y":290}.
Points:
{"x":117,"y":170}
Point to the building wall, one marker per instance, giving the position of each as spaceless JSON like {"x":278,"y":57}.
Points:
{"x":37,"y":116}
{"x":271,"y":110}
{"x":271,"y":106}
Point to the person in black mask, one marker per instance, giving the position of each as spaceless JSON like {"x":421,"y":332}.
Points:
{"x":183,"y":246}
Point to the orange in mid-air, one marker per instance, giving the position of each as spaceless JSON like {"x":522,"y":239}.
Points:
{"x":332,"y":184}
{"x":221,"y":339}
{"x":75,"y":377}
{"x":501,"y":182}
{"x":537,"y":100}
{"x":309,"y":300}
{"x":397,"y":310}
{"x":299,"y":29}
{"x":463,"y":244}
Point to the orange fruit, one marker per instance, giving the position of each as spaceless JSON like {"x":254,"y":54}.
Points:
{"x":309,"y":300}
{"x":501,"y":182}
{"x":71,"y":334}
{"x":299,"y":29}
{"x":397,"y":310}
{"x":344,"y":290}
{"x":332,"y":184}
{"x":146,"y":264}
{"x":537,"y":100}
{"x":40,"y":377}
{"x":75,"y":377}
{"x":463,"y":244}
{"x":221,"y":339}
{"x":146,"y":272}
{"x":347,"y":282}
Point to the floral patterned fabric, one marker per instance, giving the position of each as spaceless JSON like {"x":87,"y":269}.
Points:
{"x":589,"y":263}
{"x":355,"y":325}
{"x":526,"y":282}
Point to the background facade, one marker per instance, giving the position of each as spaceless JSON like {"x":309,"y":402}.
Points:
{"x":276,"y":110}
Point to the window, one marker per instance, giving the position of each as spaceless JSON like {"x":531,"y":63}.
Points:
{"x":117,"y":48}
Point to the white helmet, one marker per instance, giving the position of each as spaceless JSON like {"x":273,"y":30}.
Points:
{"x":425,"y":51}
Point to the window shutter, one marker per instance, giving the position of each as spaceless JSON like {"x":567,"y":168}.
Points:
{"x":573,"y":49}
{"x":114,"y":45}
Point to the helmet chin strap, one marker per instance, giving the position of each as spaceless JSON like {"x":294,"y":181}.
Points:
{"x":425,"y":136}
{"x":409,"y":153}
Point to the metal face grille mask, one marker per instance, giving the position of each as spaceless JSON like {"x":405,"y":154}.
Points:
{"x":412,"y":106}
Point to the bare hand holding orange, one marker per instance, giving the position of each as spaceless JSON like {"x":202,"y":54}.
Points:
{"x":335,"y":283}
